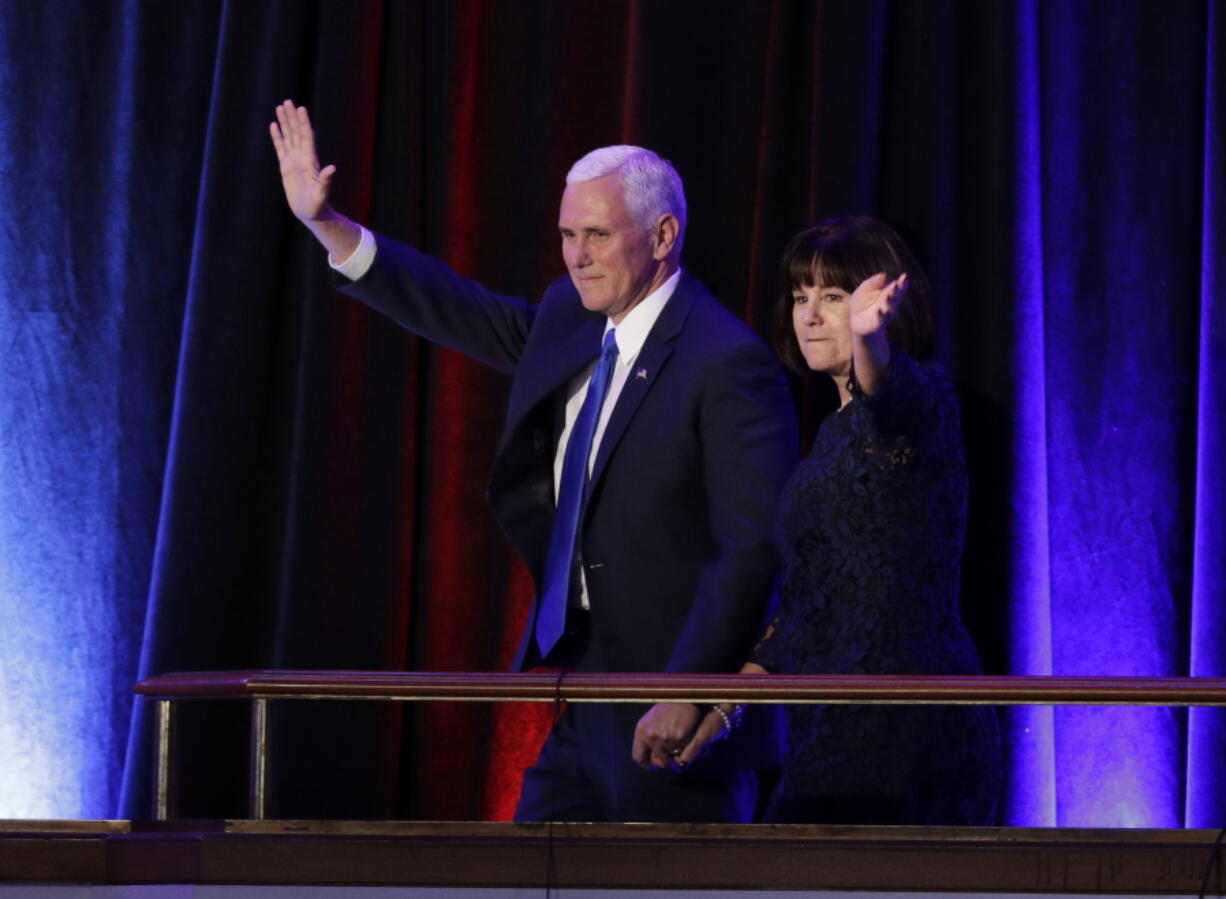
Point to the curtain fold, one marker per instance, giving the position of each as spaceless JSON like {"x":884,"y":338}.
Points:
{"x":93,"y":260}
{"x":209,"y":459}
{"x":1205,"y":775}
{"x":1118,"y":409}
{"x":1029,"y":743}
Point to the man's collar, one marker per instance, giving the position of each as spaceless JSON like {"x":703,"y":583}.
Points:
{"x":638,"y":322}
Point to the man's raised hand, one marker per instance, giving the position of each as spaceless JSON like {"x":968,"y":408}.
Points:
{"x":306,"y":185}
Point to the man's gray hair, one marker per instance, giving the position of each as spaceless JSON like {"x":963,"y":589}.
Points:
{"x":651,"y":186}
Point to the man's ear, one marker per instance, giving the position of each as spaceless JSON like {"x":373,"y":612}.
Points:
{"x":665,"y":235}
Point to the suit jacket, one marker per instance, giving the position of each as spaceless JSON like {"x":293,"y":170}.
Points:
{"x":676,"y":537}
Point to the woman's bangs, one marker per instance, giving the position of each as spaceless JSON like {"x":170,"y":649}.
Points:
{"x":806,"y":270}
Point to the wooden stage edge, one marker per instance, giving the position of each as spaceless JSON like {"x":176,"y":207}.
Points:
{"x":612,"y":856}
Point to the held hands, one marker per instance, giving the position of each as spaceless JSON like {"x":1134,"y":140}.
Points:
{"x":674,"y":735}
{"x":711,"y":729}
{"x":663,"y":733}
{"x":306,"y":185}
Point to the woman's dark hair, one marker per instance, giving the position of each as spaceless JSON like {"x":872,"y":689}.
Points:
{"x":842,"y":252}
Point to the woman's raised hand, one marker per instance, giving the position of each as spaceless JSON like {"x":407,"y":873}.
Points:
{"x":874,"y":303}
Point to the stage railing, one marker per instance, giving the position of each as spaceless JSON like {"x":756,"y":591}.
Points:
{"x":263,"y":687}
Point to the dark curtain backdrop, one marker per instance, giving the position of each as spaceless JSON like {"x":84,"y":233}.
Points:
{"x":210,"y":460}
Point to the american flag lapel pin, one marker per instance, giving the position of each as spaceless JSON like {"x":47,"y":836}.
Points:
{"x":641,"y":374}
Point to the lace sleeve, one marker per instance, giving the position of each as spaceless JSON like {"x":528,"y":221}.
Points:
{"x":915,"y":410}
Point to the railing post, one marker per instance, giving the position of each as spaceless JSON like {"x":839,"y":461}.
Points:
{"x":257,"y":795}
{"x":163,"y":789}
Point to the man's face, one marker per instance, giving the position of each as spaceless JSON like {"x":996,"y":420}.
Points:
{"x":612,"y":261}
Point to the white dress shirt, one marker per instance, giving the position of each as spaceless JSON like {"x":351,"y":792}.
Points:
{"x":360,"y":260}
{"x":630,"y":336}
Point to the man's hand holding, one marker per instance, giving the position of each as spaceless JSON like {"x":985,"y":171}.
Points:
{"x":663,"y":733}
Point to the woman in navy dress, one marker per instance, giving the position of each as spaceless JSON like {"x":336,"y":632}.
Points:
{"x":870,"y":538}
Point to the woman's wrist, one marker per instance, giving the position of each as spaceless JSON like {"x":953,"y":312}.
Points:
{"x":870,"y":362}
{"x":729,"y":714}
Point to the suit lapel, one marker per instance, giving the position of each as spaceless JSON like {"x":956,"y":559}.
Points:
{"x":566,"y":359}
{"x":644,"y":373}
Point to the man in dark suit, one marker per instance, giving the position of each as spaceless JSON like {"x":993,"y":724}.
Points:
{"x":648,"y":435}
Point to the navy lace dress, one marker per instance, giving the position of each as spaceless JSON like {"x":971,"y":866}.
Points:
{"x":870,"y":534}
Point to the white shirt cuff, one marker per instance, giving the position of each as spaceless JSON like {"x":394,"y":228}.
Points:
{"x":359,"y":261}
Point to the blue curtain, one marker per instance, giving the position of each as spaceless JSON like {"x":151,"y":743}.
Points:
{"x":1108,"y":307}
{"x":100,"y":164}
{"x":209,"y":461}
{"x":1205,"y":776}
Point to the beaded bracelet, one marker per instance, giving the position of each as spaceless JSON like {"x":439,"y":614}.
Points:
{"x":733,"y":720}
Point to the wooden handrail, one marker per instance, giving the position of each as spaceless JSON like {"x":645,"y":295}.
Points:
{"x":262,"y":687}
{"x":775,"y":688}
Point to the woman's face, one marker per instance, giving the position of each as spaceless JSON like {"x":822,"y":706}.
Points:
{"x":821,"y":319}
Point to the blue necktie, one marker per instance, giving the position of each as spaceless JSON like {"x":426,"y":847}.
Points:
{"x":551,"y":610}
